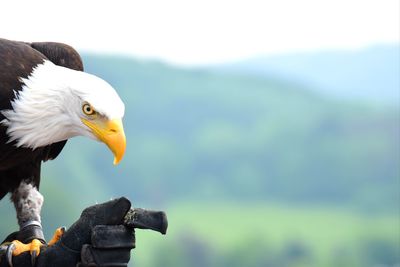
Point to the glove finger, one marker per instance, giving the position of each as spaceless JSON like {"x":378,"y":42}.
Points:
{"x":116,"y":257}
{"x":113,"y":236}
{"x":110,"y":213}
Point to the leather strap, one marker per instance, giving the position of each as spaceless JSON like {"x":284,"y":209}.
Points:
{"x":28,"y":223}
{"x":31,"y":230}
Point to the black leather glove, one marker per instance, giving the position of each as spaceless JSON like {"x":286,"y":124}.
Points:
{"x":97,"y":238}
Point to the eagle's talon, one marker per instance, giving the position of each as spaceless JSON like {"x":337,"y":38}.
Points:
{"x":33,"y":258}
{"x":9,"y":254}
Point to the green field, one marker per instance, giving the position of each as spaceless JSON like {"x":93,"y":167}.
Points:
{"x":255,"y":234}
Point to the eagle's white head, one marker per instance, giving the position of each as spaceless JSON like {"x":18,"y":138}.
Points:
{"x":58,"y":103}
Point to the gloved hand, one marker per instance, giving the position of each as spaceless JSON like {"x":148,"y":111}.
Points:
{"x":97,"y":238}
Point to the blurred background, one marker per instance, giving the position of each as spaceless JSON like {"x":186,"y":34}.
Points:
{"x":267,"y":130}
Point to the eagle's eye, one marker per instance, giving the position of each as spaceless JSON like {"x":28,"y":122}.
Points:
{"x":88,"y":109}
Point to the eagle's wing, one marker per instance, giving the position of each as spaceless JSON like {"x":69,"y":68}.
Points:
{"x":60,"y":54}
{"x":17,"y":60}
{"x":65,"y":56}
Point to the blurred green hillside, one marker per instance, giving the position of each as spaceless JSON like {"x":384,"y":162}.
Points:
{"x":199,"y":134}
{"x":222,"y":142}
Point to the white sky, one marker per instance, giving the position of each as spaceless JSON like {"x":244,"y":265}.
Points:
{"x":193,"y":32}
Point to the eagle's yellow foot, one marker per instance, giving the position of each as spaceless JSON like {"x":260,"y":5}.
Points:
{"x":33,"y":247}
{"x":18,"y":247}
{"x":57,"y":236}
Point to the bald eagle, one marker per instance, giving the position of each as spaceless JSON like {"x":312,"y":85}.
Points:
{"x":45,"y":99}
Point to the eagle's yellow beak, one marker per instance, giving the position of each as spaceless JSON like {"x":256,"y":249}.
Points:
{"x":111,"y":133}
